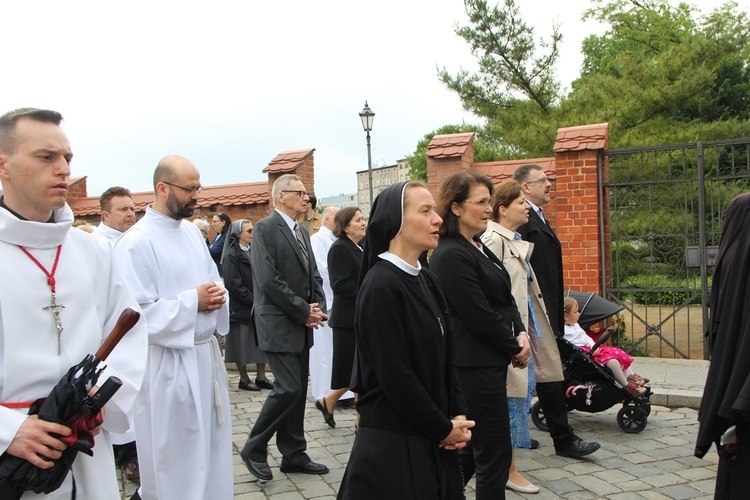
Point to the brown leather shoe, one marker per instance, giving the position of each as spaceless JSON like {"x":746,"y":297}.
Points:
{"x":132,"y":472}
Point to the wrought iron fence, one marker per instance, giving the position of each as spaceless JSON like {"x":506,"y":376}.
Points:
{"x":665,"y":206}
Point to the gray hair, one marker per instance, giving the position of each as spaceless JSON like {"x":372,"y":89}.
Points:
{"x":282,"y":183}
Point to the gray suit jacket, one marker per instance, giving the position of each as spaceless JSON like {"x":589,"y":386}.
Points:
{"x":283,"y":289}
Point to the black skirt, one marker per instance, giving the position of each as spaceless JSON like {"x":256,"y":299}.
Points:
{"x":240,"y":346}
{"x":344,"y":343}
{"x":393,"y":466}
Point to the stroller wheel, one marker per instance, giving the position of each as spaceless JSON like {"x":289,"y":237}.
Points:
{"x":537,"y":416}
{"x":632,"y":419}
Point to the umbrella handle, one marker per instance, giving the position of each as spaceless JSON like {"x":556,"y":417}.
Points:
{"x":127,"y":320}
{"x":105,"y":393}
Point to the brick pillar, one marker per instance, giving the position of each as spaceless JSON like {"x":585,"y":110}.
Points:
{"x":577,"y":210}
{"x":77,"y":189}
{"x":447,"y":155}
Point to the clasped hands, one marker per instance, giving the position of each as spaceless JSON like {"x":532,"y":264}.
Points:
{"x":210,"y":297}
{"x":521,"y":360}
{"x":460,"y":434}
{"x":317,"y":316}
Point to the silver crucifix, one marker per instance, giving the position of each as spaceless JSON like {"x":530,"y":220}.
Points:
{"x":56,"y":308}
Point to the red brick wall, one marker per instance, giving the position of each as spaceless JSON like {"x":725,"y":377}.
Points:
{"x":576,"y":220}
{"x":440,"y":169}
{"x":77,"y":189}
{"x":573,"y":213}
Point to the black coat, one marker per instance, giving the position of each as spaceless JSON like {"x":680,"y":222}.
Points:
{"x":344,"y":261}
{"x":483,"y":312}
{"x":238,"y":280}
{"x":546,"y":259}
{"x":726,"y":397}
{"x":398,"y":347}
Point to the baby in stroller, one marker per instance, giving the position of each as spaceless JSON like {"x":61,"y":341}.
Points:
{"x":617,"y":360}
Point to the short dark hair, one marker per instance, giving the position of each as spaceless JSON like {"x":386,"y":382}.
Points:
{"x":342,"y":219}
{"x":456,"y":189}
{"x":8,"y":124}
{"x":313,"y":201}
{"x":505,"y":194}
{"x":523,"y":173}
{"x":227,"y":221}
{"x":105,"y":200}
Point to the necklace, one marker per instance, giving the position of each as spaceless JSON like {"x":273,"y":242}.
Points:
{"x":54,"y":307}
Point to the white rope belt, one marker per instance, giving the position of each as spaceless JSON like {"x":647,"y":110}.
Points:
{"x":216,"y":355}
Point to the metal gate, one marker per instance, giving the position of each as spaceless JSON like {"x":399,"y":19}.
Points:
{"x":661,"y":210}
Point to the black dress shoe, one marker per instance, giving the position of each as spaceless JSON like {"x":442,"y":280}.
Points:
{"x":579,"y":449}
{"x":308,"y":468}
{"x":346,"y":403}
{"x":264,"y":384}
{"x":261,"y":470}
{"x":327,"y":416}
{"x":533,"y":444}
{"x":248,"y":386}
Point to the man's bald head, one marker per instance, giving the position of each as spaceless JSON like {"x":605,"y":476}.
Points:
{"x":171,"y":167}
{"x":328,"y":215}
{"x":177,"y":185}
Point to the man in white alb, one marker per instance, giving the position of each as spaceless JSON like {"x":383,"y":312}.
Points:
{"x":182,"y":424}
{"x":60,"y":296}
{"x":117,"y":212}
{"x":321,"y":353}
{"x":118,"y":215}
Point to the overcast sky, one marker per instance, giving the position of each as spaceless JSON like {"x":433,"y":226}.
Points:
{"x":230,"y":84}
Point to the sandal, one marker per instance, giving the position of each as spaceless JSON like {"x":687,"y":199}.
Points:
{"x":327,"y":416}
{"x":638,"y":380}
{"x":635,"y":389}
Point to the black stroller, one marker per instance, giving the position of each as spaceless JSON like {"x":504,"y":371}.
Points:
{"x":591,"y":387}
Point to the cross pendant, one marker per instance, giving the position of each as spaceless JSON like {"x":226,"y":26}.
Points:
{"x":56,"y":308}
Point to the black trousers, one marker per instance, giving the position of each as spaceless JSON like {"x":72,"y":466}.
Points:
{"x":283,"y":413}
{"x":552,"y":398}
{"x":490,"y":452}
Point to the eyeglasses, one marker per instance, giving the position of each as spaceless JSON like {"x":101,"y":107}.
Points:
{"x":482,"y":203}
{"x":248,"y":231}
{"x":543,"y":180}
{"x":301,"y":193}
{"x":187,"y":190}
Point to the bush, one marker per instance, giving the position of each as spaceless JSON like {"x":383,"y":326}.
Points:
{"x":661,"y":289}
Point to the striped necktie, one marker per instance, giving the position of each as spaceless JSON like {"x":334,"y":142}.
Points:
{"x":302,"y":246}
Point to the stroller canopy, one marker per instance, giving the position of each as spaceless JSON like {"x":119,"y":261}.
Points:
{"x":593,"y":308}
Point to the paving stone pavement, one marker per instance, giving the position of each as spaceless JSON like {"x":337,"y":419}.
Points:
{"x":658,"y":463}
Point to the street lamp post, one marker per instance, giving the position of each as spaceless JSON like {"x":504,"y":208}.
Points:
{"x":367,"y":117}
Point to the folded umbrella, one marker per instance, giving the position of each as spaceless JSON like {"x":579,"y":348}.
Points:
{"x":69,"y":404}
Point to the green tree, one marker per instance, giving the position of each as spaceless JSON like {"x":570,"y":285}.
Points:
{"x":659,"y":74}
{"x":484,"y":149}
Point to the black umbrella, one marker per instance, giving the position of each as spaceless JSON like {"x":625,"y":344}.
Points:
{"x":69,"y":404}
{"x":593,"y":308}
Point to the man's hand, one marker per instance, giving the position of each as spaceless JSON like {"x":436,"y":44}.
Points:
{"x":317,"y":316}
{"x":210,"y":297}
{"x":521,"y":360}
{"x":459,"y":436}
{"x":33,"y":442}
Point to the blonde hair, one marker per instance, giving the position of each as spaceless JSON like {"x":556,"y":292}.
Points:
{"x":568,"y":304}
